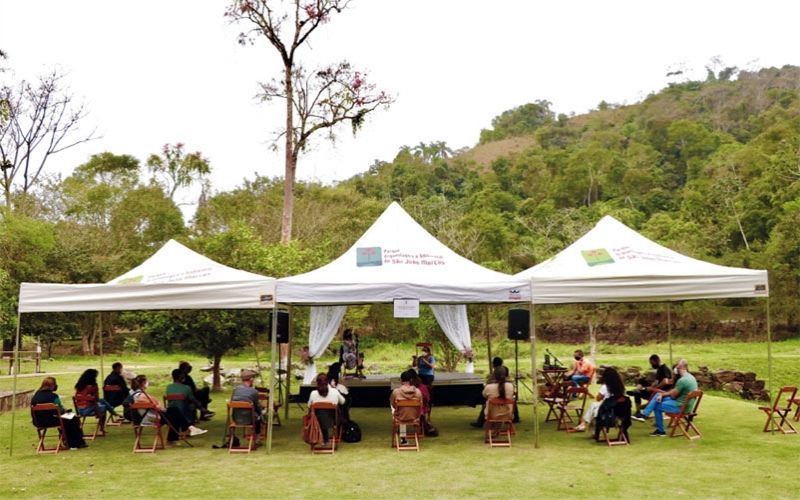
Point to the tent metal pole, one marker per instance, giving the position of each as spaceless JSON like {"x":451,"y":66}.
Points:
{"x":270,"y":405}
{"x":535,"y":379}
{"x":488,"y":336}
{"x":669,"y":332}
{"x":14,"y":389}
{"x":102,"y":371}
{"x":769,"y":351}
{"x":289,"y":364}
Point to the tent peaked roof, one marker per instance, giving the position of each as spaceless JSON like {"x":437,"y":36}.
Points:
{"x":613,"y":263}
{"x":397,"y":258}
{"x":175,"y":277}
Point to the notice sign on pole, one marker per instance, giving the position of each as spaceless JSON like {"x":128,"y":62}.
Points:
{"x":406,"y":308}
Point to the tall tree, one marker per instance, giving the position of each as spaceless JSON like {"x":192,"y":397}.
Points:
{"x":175,"y":169}
{"x":316,"y":100}
{"x":41,"y":119}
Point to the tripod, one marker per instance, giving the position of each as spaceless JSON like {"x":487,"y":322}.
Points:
{"x":517,"y":379}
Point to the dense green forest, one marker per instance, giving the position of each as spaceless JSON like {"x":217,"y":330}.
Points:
{"x":708,"y":168}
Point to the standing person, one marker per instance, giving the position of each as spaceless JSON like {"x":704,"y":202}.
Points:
{"x":406,"y":391}
{"x":202,"y":395}
{"x":324,"y":394}
{"x":582,"y":370}
{"x":115,"y":398}
{"x":246,"y":393}
{"x":426,"y":364}
{"x":645,"y":390}
{"x":87,"y":386}
{"x":672,"y":400}
{"x":72,"y":427}
{"x":612,"y":388}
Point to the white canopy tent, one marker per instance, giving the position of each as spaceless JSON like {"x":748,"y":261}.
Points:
{"x":175,"y":277}
{"x":613,"y":263}
{"x":396,"y":258}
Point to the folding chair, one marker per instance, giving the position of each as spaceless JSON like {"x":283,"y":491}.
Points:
{"x":623,"y":412}
{"x":139,"y":410}
{"x":263,"y":396}
{"x":248,"y":430}
{"x":780,"y":408}
{"x":684,"y":420}
{"x":577,"y":406}
{"x":555,"y":400}
{"x":334,"y":437}
{"x":182,"y":434}
{"x":82,"y":402}
{"x":48,"y":416}
{"x":499,"y":426}
{"x":114,"y":393}
{"x":413,"y":422}
{"x":796,"y":401}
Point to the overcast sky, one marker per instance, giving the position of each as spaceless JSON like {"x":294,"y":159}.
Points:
{"x":156,"y":72}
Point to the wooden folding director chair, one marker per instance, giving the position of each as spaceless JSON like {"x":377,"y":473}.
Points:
{"x":110,"y":392}
{"x":555,"y":399}
{"x":569,"y":405}
{"x":182,"y":434}
{"x":684,"y":420}
{"x":499,"y":429}
{"x":778,"y":413}
{"x":139,"y":410}
{"x":334,"y":432}
{"x":248,"y":429}
{"x":413,"y":425}
{"x":622,"y":409}
{"x":48,"y":416}
{"x":81,"y":402}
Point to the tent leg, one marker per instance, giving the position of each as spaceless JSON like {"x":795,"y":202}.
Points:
{"x":669,"y":334}
{"x":488,"y":335}
{"x":270,"y":404}
{"x":769,"y":351}
{"x":535,"y":377}
{"x":14,"y":389}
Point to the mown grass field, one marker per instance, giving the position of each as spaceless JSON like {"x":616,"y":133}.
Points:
{"x":734,"y":459}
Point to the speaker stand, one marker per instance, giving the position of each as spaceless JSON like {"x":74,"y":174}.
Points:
{"x":517,"y":379}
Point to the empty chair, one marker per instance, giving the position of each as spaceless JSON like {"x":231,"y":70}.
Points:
{"x":684,"y":420}
{"x":572,"y":407}
{"x":778,"y":413}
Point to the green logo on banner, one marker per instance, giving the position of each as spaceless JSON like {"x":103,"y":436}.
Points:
{"x":597,"y":257}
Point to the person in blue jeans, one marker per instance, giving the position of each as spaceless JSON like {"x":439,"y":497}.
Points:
{"x":582,"y":370}
{"x":672,"y":400}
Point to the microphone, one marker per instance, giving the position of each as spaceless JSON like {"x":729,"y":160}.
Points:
{"x":555,"y":359}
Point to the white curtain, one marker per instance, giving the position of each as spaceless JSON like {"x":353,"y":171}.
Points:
{"x":325,"y":321}
{"x":454,"y":323}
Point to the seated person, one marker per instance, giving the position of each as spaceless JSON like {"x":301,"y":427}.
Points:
{"x":334,"y":371}
{"x":405,"y":392}
{"x":426,"y":397}
{"x":499,"y":388}
{"x":324,"y":394}
{"x":115,"y":398}
{"x":72,"y":427}
{"x":173,"y":417}
{"x":496,"y":362}
{"x":247,"y":393}
{"x":202,"y":395}
{"x":644,"y":389}
{"x":87,"y":386}
{"x":582,"y":370}
{"x":186,"y":407}
{"x":612,"y":388}
{"x":349,"y":357}
{"x":672,"y":400}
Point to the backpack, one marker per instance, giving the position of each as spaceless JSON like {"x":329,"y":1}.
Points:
{"x":607,"y":415}
{"x":351,"y":432}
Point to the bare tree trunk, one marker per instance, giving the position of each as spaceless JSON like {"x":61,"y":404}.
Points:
{"x":593,"y":327}
{"x":291,"y":162}
{"x":215,"y":383}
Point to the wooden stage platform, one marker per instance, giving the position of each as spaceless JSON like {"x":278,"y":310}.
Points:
{"x":449,"y":389}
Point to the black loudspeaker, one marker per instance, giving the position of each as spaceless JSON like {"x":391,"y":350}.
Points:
{"x":283,"y":327}
{"x":519,"y":324}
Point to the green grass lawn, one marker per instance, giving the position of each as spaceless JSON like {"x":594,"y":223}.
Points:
{"x":734,"y":459}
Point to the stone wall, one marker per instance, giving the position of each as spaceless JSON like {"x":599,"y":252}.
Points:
{"x":744,"y":384}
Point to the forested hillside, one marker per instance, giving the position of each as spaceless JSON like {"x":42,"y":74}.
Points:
{"x":710,"y":169}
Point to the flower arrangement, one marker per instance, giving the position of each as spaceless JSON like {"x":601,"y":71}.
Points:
{"x":305,"y":356}
{"x":468,"y":353}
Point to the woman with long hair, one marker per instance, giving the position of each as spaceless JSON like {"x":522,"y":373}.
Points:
{"x":612,"y":388}
{"x":499,"y":387}
{"x":87,"y":387}
{"x":325,"y":394}
{"x":334,"y":372}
